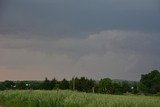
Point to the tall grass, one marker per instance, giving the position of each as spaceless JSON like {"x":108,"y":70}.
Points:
{"x":73,"y":99}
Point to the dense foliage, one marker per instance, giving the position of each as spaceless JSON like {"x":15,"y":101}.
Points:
{"x":149,"y":84}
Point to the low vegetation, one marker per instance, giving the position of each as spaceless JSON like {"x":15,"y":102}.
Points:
{"x":42,"y":98}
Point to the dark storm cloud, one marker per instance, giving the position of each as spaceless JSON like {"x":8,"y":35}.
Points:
{"x":2,"y":6}
{"x":73,"y":18}
{"x":93,"y":38}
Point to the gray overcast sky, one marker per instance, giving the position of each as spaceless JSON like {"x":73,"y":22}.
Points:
{"x":119,"y":39}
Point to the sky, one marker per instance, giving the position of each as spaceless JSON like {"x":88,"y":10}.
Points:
{"x":119,"y":39}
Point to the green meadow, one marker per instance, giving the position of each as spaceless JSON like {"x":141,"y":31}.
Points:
{"x":41,"y":98}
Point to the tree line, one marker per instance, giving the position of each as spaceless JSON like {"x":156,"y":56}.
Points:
{"x":148,"y":84}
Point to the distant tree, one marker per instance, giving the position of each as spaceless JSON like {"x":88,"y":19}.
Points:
{"x":116,"y":88}
{"x":105,"y":85}
{"x":76,"y":84}
{"x":35,"y":85}
{"x":86,"y":85}
{"x":64,"y":84}
{"x":46,"y":84}
{"x":8,"y":84}
{"x":21,"y":85}
{"x":150,"y":83}
{"x":53,"y":83}
{"x":90,"y":85}
{"x":134,"y":88}
{"x":82,"y":84}
{"x":125,"y":87}
{"x":96,"y":87}
{"x":2,"y":87}
{"x":73,"y":83}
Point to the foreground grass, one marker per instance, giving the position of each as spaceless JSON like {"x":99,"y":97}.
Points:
{"x":73,"y":99}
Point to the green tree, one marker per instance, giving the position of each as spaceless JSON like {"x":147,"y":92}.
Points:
{"x":82,"y":84}
{"x":2,"y":87}
{"x":150,"y":83}
{"x":116,"y":88}
{"x":85,"y":84}
{"x":8,"y":84}
{"x":53,"y":83}
{"x":134,"y":88}
{"x":64,"y":84}
{"x":46,"y":84}
{"x":35,"y":84}
{"x":105,"y":85}
{"x":21,"y":85}
{"x":126,"y":87}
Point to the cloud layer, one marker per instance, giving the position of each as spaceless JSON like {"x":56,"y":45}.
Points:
{"x":114,"y":53}
{"x":78,"y":18}
{"x":93,"y":38}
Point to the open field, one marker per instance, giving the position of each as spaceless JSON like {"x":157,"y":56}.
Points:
{"x":73,"y":99}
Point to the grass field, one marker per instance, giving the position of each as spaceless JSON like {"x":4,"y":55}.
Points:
{"x":73,"y":99}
